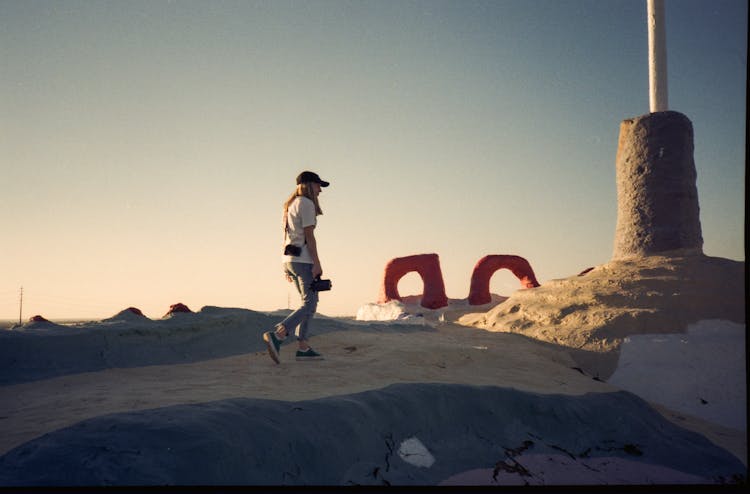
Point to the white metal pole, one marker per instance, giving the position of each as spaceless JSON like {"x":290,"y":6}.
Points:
{"x":657,"y":57}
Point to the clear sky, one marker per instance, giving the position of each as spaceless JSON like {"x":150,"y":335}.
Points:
{"x":146,"y":147}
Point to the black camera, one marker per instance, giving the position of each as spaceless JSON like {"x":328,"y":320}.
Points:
{"x":292,"y":250}
{"x":319,"y":285}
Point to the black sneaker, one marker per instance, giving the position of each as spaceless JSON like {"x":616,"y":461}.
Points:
{"x":273,"y":344}
{"x":308,"y":354}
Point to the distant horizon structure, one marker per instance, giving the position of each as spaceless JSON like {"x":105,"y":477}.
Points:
{"x":657,"y":57}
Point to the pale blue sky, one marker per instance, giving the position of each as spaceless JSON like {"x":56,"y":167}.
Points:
{"x":147,"y":146}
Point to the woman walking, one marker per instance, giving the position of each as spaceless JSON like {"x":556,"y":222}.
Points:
{"x":301,"y":265}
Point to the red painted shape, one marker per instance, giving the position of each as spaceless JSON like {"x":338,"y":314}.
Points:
{"x":428,"y":268}
{"x":177,"y":308}
{"x":38,"y":319}
{"x":479,"y":292}
{"x":136,"y":311}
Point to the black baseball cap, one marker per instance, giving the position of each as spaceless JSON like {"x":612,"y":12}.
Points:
{"x":305,"y":177}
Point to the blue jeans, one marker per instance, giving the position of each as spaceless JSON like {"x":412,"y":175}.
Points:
{"x":302,"y":277}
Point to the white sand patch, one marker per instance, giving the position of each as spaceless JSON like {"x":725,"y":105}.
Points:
{"x":392,"y":311}
{"x":409,"y":310}
{"x":701,"y":372}
{"x":414,"y":452}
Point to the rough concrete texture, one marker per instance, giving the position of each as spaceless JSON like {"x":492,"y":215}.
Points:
{"x":596,"y":311}
{"x":657,"y":199}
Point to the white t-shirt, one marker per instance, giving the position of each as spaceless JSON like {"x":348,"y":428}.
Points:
{"x":301,"y":214}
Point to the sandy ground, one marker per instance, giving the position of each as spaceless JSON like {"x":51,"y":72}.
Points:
{"x":598,"y":309}
{"x":356,"y":360}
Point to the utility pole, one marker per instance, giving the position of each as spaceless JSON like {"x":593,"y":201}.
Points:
{"x":20,"y":310}
{"x":657,"y":57}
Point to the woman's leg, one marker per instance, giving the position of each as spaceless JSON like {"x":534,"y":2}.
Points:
{"x":301,"y":274}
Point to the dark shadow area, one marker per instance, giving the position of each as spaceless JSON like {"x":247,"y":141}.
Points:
{"x":358,"y":439}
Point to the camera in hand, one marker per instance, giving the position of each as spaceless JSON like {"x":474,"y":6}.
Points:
{"x":319,"y":285}
{"x":292,"y":250}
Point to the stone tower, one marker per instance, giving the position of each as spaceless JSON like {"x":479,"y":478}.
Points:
{"x":657,"y":198}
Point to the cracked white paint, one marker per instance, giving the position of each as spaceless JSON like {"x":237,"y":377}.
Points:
{"x":414,"y":452}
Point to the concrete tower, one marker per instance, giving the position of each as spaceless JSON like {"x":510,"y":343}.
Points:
{"x":657,"y":197}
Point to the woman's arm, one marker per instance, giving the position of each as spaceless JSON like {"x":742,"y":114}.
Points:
{"x":313,"y":248}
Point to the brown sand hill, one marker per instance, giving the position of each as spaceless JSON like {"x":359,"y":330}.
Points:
{"x":596,"y":310}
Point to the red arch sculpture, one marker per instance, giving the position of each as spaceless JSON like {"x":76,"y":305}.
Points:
{"x":479,"y":292}
{"x":428,"y":267}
